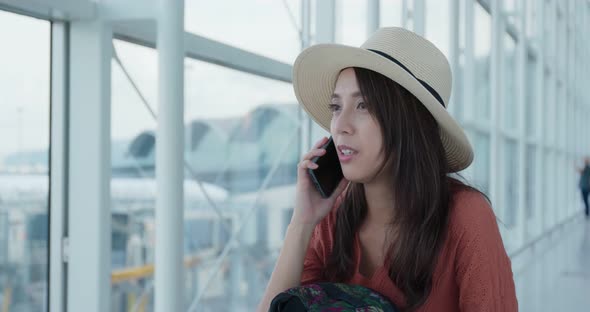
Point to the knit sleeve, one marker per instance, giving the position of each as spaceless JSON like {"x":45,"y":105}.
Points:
{"x":320,"y":247}
{"x":482,"y":267}
{"x":313,"y":264}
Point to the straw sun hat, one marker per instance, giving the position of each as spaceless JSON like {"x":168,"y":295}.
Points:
{"x":399,"y":54}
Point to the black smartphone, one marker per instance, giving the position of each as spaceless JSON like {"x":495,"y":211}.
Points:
{"x":329,"y":173}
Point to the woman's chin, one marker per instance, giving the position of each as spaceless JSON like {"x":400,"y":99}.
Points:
{"x":354,"y":177}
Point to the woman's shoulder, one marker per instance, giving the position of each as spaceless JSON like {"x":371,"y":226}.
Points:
{"x":471,"y":213}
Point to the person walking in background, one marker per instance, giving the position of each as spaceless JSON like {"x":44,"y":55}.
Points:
{"x":585,"y":183}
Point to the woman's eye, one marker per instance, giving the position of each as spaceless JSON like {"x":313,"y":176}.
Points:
{"x":334,"y":107}
{"x":361,"y":105}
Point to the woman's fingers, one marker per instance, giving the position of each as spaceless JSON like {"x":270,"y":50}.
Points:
{"x":307,"y":164}
{"x":313,"y":153}
{"x":321,"y":142}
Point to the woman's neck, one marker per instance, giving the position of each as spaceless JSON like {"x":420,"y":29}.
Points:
{"x":380,"y":202}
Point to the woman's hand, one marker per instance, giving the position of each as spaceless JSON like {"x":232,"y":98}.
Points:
{"x":310,"y":206}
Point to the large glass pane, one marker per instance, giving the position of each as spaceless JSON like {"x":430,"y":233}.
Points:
{"x":550,"y":108}
{"x":241,"y":152}
{"x":457,"y":97}
{"x":390,"y":13}
{"x":266,"y":27}
{"x":561,"y":98}
{"x":481,"y":161}
{"x":133,"y":189}
{"x":531,"y":106}
{"x":549,"y":32}
{"x":552,"y":203}
{"x":351,"y":22}
{"x":483,"y":43}
{"x":532,"y":17}
{"x":24,"y":162}
{"x":510,"y":6}
{"x":510,"y":103}
{"x":245,"y":147}
{"x":510,"y":205}
{"x":437,"y":24}
{"x":530,"y":175}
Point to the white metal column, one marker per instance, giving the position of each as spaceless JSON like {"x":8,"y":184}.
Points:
{"x":551,"y":109}
{"x":306,"y":122}
{"x":418,"y":16}
{"x":372,"y":17}
{"x":466,"y":114}
{"x":169,"y":267}
{"x":533,"y":227}
{"x":454,"y":57}
{"x":325,"y":21}
{"x":521,"y":63}
{"x":542,"y":107}
{"x":59,"y":148}
{"x":496,"y":163}
{"x":469,"y":67}
{"x":89,"y":263}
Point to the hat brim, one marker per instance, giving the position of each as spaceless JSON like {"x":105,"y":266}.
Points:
{"x":317,"y":68}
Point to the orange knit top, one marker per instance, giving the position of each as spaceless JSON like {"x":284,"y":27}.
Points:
{"x":472,"y":273}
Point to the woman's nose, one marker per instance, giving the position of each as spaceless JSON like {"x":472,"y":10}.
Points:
{"x":342,"y":123}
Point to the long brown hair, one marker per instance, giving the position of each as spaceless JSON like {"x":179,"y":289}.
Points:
{"x":422,"y":190}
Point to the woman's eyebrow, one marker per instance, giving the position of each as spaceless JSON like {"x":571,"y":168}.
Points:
{"x":355,"y":94}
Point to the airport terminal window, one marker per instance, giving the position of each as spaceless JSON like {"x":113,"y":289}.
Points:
{"x":510,"y":83}
{"x":531,"y":105}
{"x":253,"y":125}
{"x":390,"y":13}
{"x":254,"y":169}
{"x":437,"y":15}
{"x":481,"y":161}
{"x":241,"y":154}
{"x":530,"y":184}
{"x":24,"y":162}
{"x":549,"y":107}
{"x":510,"y":6}
{"x":197,"y":132}
{"x":133,"y":189}
{"x":273,"y":33}
{"x":352,"y":22}
{"x":549,"y":33}
{"x":511,"y":167}
{"x":482,"y":55}
{"x":142,"y":145}
{"x":532,"y":16}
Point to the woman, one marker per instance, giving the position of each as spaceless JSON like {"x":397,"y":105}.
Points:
{"x":397,"y":223}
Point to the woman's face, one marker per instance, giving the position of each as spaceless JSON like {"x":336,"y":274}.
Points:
{"x":356,"y":132}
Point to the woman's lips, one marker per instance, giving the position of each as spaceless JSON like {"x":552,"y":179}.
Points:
{"x":344,"y":158}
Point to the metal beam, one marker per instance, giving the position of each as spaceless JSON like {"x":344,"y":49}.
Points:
{"x":55,"y":10}
{"x":207,"y":50}
{"x":127,"y":10}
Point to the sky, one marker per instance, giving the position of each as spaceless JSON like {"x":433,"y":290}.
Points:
{"x":211,"y":91}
